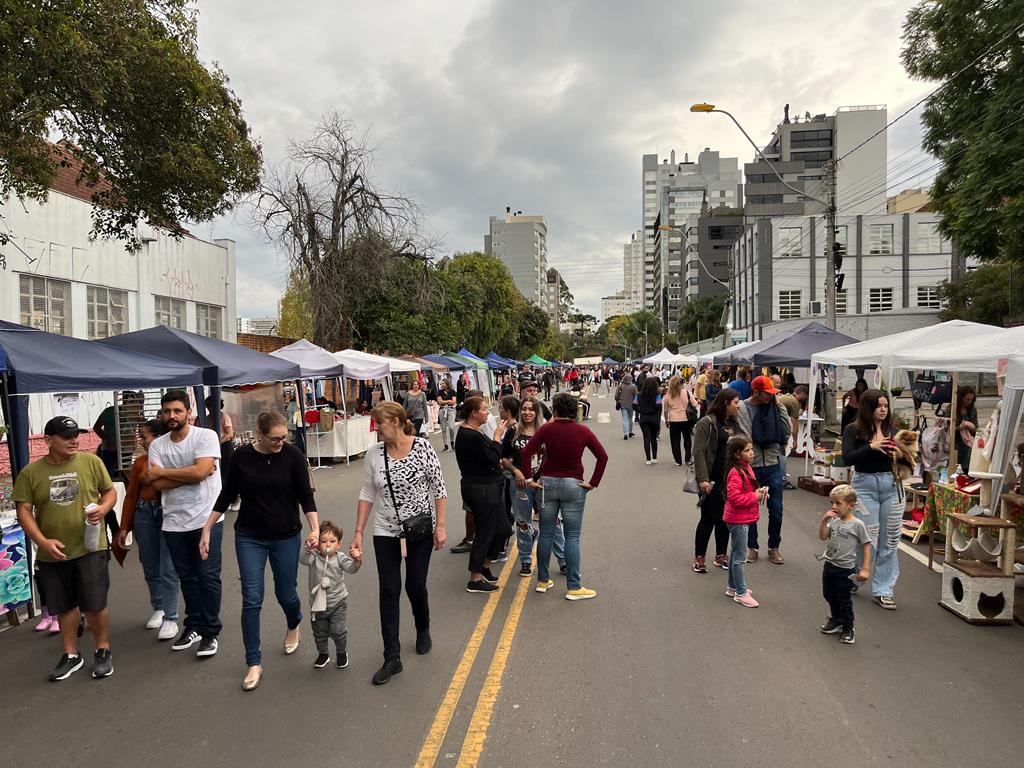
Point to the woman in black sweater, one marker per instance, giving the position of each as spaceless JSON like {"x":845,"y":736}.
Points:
{"x":648,"y":409}
{"x":868,"y":448}
{"x":272,"y":479}
{"x":483,"y":486}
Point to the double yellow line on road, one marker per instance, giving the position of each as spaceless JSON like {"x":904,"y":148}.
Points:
{"x":476,"y":735}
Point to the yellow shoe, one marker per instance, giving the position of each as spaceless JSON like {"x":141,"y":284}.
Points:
{"x":580,"y":594}
{"x":544,"y":586}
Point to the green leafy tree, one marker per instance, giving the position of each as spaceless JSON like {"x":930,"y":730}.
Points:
{"x":990,"y":294}
{"x":566,"y":301}
{"x":160,"y":137}
{"x":973,"y":125}
{"x":294,"y":320}
{"x":701,"y":319}
{"x":486,"y":294}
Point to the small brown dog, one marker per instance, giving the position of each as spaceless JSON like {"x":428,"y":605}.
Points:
{"x":908,"y":449}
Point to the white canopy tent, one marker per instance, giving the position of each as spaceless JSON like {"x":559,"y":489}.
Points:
{"x":664,"y":357}
{"x":874,"y":352}
{"x":365,"y":365}
{"x":314,"y":362}
{"x":976,"y":353}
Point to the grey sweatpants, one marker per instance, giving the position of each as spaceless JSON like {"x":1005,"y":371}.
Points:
{"x":331,"y":624}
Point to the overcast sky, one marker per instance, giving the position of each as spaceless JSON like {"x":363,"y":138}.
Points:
{"x":542,"y":105}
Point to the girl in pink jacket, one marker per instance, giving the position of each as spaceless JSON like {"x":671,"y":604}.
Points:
{"x":743,"y":498}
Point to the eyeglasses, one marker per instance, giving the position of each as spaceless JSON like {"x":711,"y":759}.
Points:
{"x":275,"y":440}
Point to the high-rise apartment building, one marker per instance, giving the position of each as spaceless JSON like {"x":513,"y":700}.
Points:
{"x":521,"y":242}
{"x":553,"y":295}
{"x":614,"y":305}
{"x":799,"y":149}
{"x":633,"y":271}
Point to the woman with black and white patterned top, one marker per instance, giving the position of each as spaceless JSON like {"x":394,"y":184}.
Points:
{"x":418,"y":487}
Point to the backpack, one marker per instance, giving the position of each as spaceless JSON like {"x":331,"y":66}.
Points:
{"x":935,"y":445}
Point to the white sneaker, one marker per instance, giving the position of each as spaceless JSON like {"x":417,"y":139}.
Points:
{"x":654,"y":461}
{"x":155,"y":620}
{"x":648,"y":462}
{"x":168,"y":629}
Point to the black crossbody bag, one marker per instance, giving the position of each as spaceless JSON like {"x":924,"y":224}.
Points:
{"x":416,"y":527}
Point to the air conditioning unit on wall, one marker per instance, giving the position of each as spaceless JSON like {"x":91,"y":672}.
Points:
{"x":815,"y":308}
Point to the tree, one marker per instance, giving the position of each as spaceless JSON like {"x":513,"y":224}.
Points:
{"x":990,"y":294}
{"x":481,"y":291}
{"x":160,"y":138}
{"x":294,"y":320}
{"x":324,"y":212}
{"x":973,"y":125}
{"x":566,"y":302}
{"x":701,"y":319}
{"x":641,"y":331}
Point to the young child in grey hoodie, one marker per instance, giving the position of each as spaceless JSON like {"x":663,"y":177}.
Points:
{"x":328,"y":594}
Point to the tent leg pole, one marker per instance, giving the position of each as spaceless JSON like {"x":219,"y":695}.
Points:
{"x":344,"y":407}
{"x":953,"y":415}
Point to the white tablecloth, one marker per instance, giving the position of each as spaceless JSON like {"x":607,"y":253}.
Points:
{"x":350,"y":437}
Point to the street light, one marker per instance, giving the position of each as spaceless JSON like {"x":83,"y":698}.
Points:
{"x":689,"y":247}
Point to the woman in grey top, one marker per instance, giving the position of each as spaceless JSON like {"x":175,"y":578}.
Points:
{"x":416,"y":403}
{"x":625,"y":394}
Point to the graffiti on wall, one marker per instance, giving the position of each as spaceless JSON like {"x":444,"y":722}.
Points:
{"x":179,"y":283}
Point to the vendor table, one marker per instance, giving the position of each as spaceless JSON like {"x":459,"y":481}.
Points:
{"x":350,"y":437}
{"x":943,"y":500}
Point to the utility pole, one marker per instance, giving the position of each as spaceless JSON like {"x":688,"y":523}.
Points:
{"x":833,"y":259}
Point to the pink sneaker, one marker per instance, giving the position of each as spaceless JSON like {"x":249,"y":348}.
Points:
{"x":44,"y":623}
{"x":55,"y":627}
{"x":746,"y":600}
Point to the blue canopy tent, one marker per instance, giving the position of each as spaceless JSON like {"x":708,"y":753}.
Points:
{"x":450,"y":363}
{"x":609,"y":361}
{"x":503,"y":362}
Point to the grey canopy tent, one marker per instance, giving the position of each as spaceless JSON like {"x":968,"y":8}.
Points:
{"x":791,"y":349}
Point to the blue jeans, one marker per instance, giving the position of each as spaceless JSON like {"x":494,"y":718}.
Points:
{"x":562,"y":496}
{"x":627,"y":420}
{"x":252,"y":565}
{"x":156,"y":559}
{"x":737,"y":557}
{"x":881,"y":510}
{"x":200,"y":579}
{"x":525,"y":501}
{"x":774,"y":478}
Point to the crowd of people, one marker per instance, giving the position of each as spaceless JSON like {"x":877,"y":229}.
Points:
{"x":519,"y":467}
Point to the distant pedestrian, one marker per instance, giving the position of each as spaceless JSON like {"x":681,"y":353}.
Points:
{"x":548,"y":378}
{"x":446,"y":401}
{"x":847,"y":538}
{"x":676,"y":406}
{"x":415,"y":403}
{"x":742,"y":383}
{"x":966,"y":426}
{"x":328,"y":594}
{"x":742,"y":500}
{"x":648,"y":408}
{"x":710,"y":462}
{"x":712,"y":388}
{"x":227,"y":435}
{"x":625,"y":396}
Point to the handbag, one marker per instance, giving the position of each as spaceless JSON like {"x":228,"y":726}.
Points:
{"x":690,"y":480}
{"x":416,"y":527}
{"x":691,"y":409}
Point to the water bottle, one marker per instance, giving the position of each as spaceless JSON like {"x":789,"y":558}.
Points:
{"x":92,"y":530}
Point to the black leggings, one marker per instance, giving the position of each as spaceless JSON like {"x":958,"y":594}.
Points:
{"x":711,"y":512}
{"x":487,"y":503}
{"x":685,"y":430}
{"x":388,"y":551}
{"x":651,"y":427}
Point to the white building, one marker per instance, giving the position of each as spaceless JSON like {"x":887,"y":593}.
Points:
{"x":521,"y":242}
{"x":259,"y":326}
{"x":892,"y":265}
{"x":633,"y":271}
{"x":616,"y":304}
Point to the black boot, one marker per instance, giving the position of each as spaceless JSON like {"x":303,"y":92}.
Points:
{"x":389,"y":669}
{"x":423,"y":641}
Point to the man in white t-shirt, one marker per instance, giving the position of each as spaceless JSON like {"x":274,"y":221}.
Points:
{"x":183,"y":467}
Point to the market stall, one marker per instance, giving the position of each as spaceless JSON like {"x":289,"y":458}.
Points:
{"x":478,"y":371}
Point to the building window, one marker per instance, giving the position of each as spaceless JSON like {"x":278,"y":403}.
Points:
{"x":928,"y":238}
{"x":928,"y":296}
{"x":764,"y":199}
{"x":880,"y":238}
{"x":44,"y":303}
{"x":879,"y":299}
{"x":209,"y":321}
{"x":808,"y":139}
{"x":791,"y":242}
{"x":841,"y":302}
{"x":108,"y":312}
{"x":169,"y":312}
{"x":789,"y":305}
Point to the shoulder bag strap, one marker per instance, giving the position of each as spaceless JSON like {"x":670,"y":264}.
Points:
{"x":391,"y":489}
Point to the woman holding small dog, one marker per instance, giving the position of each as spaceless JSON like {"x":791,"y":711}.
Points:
{"x":869,"y":448}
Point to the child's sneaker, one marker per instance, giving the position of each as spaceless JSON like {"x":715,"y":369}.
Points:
{"x":342,"y":661}
{"x":746,"y":600}
{"x":848,"y":637}
{"x":55,"y":627}
{"x":321,"y":661}
{"x":831,"y":626}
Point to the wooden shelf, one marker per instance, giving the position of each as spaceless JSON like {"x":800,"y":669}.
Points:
{"x":978,"y":570}
{"x":980,"y":522}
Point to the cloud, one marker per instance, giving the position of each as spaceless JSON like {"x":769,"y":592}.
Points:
{"x":546,"y":107}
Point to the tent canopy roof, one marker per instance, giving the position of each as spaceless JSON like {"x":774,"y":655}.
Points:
{"x":224,"y":364}
{"x":871,"y":353}
{"x":479,"y":360}
{"x":791,"y":349}
{"x":48,"y":362}
{"x":469,"y":362}
{"x":365,"y":365}
{"x":609,"y":361}
{"x":450,"y":363}
{"x":720,"y":356}
{"x":314,"y":362}
{"x":977,"y":353}
{"x":537,"y":360}
{"x":503,"y":362}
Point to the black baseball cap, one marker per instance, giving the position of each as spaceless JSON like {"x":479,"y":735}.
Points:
{"x":64,"y":426}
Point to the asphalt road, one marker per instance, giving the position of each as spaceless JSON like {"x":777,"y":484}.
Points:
{"x":660,"y":670}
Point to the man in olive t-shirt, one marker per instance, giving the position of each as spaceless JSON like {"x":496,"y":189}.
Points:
{"x":52,"y":494}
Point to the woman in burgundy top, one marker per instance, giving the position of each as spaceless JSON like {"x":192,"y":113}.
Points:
{"x":564,"y":490}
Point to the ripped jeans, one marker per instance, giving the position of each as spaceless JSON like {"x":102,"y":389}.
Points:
{"x":879,"y":506}
{"x":525,"y":501}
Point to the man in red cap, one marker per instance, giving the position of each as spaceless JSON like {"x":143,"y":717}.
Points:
{"x":766,"y":421}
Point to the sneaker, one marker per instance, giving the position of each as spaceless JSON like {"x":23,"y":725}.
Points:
{"x":103,"y":663}
{"x":698,"y":565}
{"x":207,"y":647}
{"x":55,"y":627}
{"x":489,"y":577}
{"x":321,"y":661}
{"x":751,"y":555}
{"x":747,"y":600}
{"x":654,"y":461}
{"x":580,"y":594}
{"x":481,"y":586}
{"x":722,"y":561}
{"x":45,"y":623}
{"x":342,"y":661}
{"x":188,"y":638}
{"x":886,"y":602}
{"x":502,"y":557}
{"x":155,"y":620}
{"x":788,"y":485}
{"x":463,"y":546}
{"x":678,"y":464}
{"x":648,"y":462}
{"x":66,"y":667}
{"x":849,"y":637}
{"x":854,"y":588}
{"x":423,"y":642}
{"x":526,"y":569}
{"x":730,"y":592}
{"x":446,"y":449}
{"x":625,"y":437}
{"x":389,"y":669}
{"x":168,"y":629}
{"x":544,"y":586}
{"x":831,"y":626}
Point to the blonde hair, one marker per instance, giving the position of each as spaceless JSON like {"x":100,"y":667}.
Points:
{"x":388,"y":409}
{"x":675,"y":386}
{"x":843,"y":493}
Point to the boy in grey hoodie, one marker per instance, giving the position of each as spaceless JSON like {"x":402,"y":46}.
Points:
{"x":328,"y":595}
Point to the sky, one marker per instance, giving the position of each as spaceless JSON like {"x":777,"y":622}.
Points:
{"x":545,"y":106}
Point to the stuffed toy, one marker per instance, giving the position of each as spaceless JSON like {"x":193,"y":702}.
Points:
{"x":907,"y":452}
